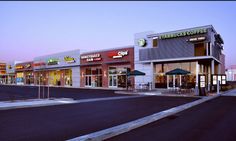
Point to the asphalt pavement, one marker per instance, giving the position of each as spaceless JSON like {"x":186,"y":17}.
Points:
{"x":68,"y":121}
{"x":12,"y":92}
{"x":214,"y":120}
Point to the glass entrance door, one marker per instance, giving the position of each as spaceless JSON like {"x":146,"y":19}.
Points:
{"x":113,"y":81}
{"x":174,"y":81}
{"x":88,"y":80}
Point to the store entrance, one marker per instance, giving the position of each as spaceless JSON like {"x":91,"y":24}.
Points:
{"x":173,"y":81}
{"x":88,"y":81}
{"x":113,"y":81}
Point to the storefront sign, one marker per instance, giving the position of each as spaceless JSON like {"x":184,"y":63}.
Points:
{"x":196,"y":39}
{"x":69,"y":59}
{"x":53,"y":62}
{"x":27,"y":66}
{"x":92,"y":57}
{"x":19,"y":67}
{"x":184,"y":33}
{"x":142,"y":42}
{"x":118,"y":54}
{"x":39,"y":64}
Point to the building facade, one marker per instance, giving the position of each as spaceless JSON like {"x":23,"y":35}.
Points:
{"x":60,"y":69}
{"x":3,"y":76}
{"x":106,"y":68}
{"x":197,"y":50}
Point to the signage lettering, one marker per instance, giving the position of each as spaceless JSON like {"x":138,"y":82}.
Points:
{"x":118,"y":54}
{"x":92,"y":57}
{"x":53,"y":62}
{"x":197,"y":39}
{"x":184,"y":33}
{"x":19,"y":67}
{"x":69,"y":59}
{"x":39,"y":64}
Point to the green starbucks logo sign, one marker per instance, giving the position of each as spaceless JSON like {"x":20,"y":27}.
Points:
{"x":142,"y":42}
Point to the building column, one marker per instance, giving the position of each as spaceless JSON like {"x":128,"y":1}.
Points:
{"x":219,"y":68}
{"x":152,"y":76}
{"x":196,"y":85}
{"x":209,"y":78}
{"x":212,"y":67}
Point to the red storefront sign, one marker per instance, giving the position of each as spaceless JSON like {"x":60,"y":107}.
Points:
{"x":118,"y":54}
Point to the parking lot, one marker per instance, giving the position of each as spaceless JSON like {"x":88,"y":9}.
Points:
{"x":63,"y":122}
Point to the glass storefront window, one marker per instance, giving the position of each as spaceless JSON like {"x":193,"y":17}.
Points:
{"x":161,"y":78}
{"x":93,"y":77}
{"x":68,"y":77}
{"x":117,"y":76}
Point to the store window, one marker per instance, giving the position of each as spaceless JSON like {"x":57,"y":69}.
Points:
{"x":117,"y":76}
{"x":164,"y":81}
{"x":19,"y":78}
{"x":154,"y":42}
{"x":29,"y":78}
{"x":200,"y":49}
{"x":68,"y":77}
{"x":93,"y":77}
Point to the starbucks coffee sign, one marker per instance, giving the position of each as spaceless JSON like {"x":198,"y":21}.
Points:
{"x":142,"y":42}
{"x":184,"y":33}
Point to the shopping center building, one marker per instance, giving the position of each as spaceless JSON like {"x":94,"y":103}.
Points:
{"x":197,"y":50}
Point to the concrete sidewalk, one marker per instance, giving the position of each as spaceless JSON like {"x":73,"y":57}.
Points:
{"x":6,"y":105}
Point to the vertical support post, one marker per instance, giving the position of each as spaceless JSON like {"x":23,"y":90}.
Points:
{"x":39,"y":87}
{"x":218,"y":86}
{"x":196,"y":85}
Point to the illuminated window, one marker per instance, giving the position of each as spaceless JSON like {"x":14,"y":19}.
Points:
{"x":154,"y":42}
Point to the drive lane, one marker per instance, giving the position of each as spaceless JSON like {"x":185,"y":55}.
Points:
{"x":211,"y":121}
{"x":69,"y":121}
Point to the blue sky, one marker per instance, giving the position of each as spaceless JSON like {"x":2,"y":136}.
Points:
{"x":30,"y":29}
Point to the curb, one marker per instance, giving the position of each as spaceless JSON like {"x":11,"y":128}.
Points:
{"x":27,"y":105}
{"x":126,"y":127}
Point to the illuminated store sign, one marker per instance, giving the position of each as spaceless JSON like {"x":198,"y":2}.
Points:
{"x":92,"y":57}
{"x":118,"y":54}
{"x":69,"y":59}
{"x":39,"y":64}
{"x":142,"y":42}
{"x":19,"y":67}
{"x":182,"y":34}
{"x":27,"y":66}
{"x":53,"y":62}
{"x":196,"y":39}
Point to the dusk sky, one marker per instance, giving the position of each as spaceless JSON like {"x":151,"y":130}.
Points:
{"x":30,"y":29}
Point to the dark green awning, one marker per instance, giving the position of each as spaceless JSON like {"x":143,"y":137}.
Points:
{"x":177,"y":71}
{"x":135,"y":73}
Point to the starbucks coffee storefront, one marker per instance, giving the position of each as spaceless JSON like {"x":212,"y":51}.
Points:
{"x":197,"y":50}
{"x":106,"y":68}
{"x":61,"y":69}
